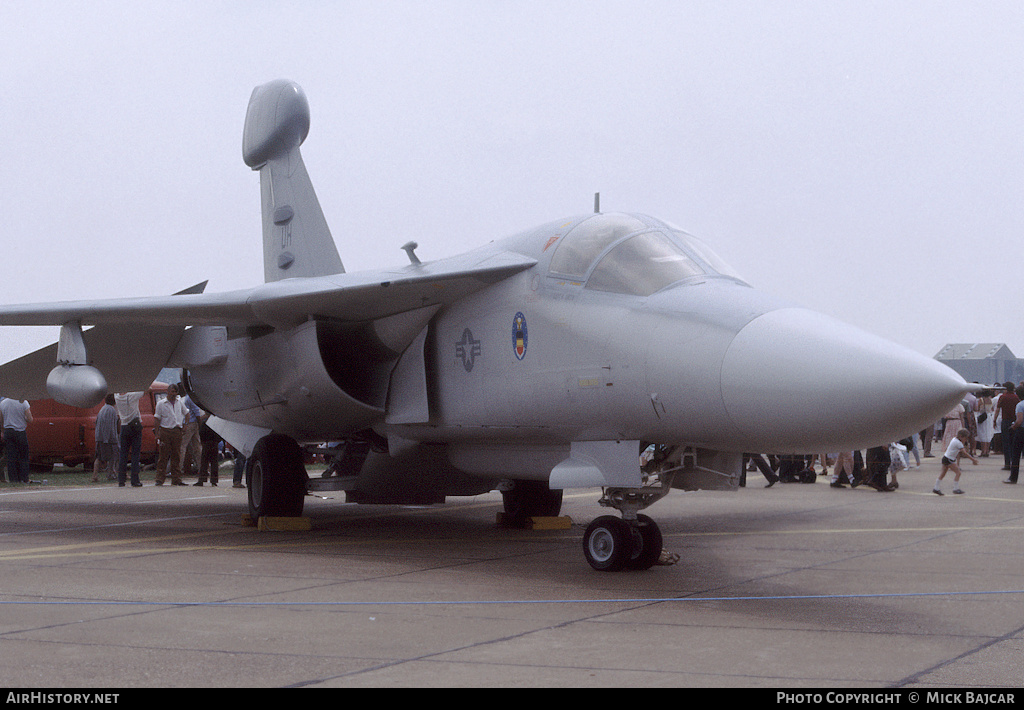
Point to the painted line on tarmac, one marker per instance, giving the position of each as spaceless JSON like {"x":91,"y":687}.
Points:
{"x":146,"y":521}
{"x":54,"y":489}
{"x":141,"y":546}
{"x":78,"y":548}
{"x":966,"y":496}
{"x":844,"y":531}
{"x":484,"y":602}
{"x":175,"y":500}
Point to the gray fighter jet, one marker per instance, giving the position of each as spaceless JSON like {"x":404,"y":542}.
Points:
{"x":543,"y":361}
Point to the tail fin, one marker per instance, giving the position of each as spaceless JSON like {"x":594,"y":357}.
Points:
{"x":296,"y":239}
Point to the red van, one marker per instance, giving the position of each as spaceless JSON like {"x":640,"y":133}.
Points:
{"x":63,"y":434}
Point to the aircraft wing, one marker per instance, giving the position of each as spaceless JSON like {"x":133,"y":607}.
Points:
{"x":367,"y":296}
{"x":133,"y":338}
{"x":146,"y":347}
{"x":150,"y":346}
{"x":357,"y":296}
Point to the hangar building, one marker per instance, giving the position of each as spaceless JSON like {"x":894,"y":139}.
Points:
{"x":986,"y":363}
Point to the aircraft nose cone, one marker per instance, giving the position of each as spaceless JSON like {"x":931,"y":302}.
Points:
{"x":800,"y":382}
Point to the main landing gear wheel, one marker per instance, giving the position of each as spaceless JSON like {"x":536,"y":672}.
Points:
{"x":531,"y":499}
{"x":611,"y":544}
{"x":276,"y":478}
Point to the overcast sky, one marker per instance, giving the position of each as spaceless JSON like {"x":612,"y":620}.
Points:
{"x":862,"y":158}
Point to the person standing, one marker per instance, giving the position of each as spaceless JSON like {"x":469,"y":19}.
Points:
{"x":239,"y":469}
{"x":844,"y":466}
{"x":954,"y":422}
{"x":877,"y":462}
{"x":16,"y":415}
{"x":1006,"y":405}
{"x":106,"y":440}
{"x":970,"y":419}
{"x":1017,"y":436}
{"x":190,"y":441}
{"x":127,"y":404}
{"x":984,"y":410}
{"x":763,"y":466}
{"x":209,"y":463}
{"x":912,"y":448}
{"x":170,"y":415}
{"x":927,"y":436}
{"x":3,"y":458}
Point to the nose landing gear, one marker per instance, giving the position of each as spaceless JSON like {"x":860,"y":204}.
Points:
{"x":633,"y":542}
{"x":612,"y":544}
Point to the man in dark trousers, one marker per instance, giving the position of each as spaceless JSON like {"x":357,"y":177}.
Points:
{"x":1006,"y":403}
{"x":16,"y":415}
{"x":1017,"y":432}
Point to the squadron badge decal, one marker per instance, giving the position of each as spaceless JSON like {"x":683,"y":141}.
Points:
{"x":519,"y":338}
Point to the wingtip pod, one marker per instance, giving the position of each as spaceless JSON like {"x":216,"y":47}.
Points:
{"x":77,"y":385}
{"x":276,"y":121}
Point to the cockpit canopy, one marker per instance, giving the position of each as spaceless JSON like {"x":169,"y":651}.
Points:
{"x":633,"y":254}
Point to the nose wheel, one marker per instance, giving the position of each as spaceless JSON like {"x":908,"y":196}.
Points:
{"x":633,"y":541}
{"x":611,"y":544}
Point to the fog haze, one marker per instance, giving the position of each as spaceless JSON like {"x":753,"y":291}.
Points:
{"x":865,"y":159}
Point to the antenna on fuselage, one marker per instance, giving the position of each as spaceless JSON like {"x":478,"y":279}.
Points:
{"x":597,"y":203}
{"x":410,"y":249}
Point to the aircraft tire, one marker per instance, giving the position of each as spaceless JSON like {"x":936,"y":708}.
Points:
{"x":276,"y":478}
{"x":648,"y":542}
{"x":529,"y":499}
{"x":608,"y":543}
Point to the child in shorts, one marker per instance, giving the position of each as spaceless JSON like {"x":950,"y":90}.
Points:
{"x":951,"y":458}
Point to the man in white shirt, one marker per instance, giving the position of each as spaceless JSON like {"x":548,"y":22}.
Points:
{"x":127,"y":404}
{"x":170,"y":415}
{"x":16,"y":416}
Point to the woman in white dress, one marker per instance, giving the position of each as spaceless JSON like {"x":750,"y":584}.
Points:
{"x":986,"y":407}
